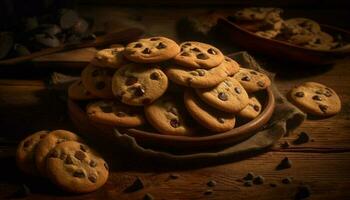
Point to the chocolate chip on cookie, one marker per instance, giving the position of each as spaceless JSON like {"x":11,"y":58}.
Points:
{"x":252,"y":80}
{"x":110,"y":58}
{"x":252,"y":110}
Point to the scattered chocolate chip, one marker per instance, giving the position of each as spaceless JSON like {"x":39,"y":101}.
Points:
{"x":93,"y":163}
{"x":221,"y":120}
{"x":202,"y":56}
{"x":256,"y":108}
{"x":316,"y":98}
{"x":323,"y":108}
{"x":249,"y":176}
{"x":223,"y":96}
{"x":173,"y":176}
{"x":238,"y":90}
{"x":92,"y":178}
{"x":212,"y":51}
{"x":146,"y":51}
{"x":299,"y":94}
{"x":79,"y":174}
{"x":258,"y":180}
{"x":138,"y":45}
{"x":100,"y":85}
{"x":106,"y":109}
{"x":174,"y":111}
{"x":327,"y":94}
{"x":273,"y":184}
{"x":106,"y":166}
{"x":195,"y":49}
{"x":303,"y":137}
{"x":148,"y":196}
{"x":287,"y":180}
{"x":22,"y":192}
{"x":79,"y":155}
{"x":174,"y":123}
{"x":155,"y":76}
{"x":248,"y":183}
{"x":54,"y":154}
{"x":211,"y":183}
{"x":161,"y":46}
{"x":284,"y":164}
{"x":27,"y":143}
{"x":154,"y":39}
{"x":135,"y":186}
{"x":303,"y":191}
{"x":285,"y":145}
{"x":68,"y":160}
{"x":130,"y":80}
{"x":185,"y":54}
{"x":121,"y":114}
{"x":146,"y":101}
{"x":139,"y":91}
{"x":201,"y":72}
{"x":208,"y":192}
{"x":245,"y":78}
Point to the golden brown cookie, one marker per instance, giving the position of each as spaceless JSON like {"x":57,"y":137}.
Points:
{"x":77,"y":91}
{"x":48,"y":143}
{"x":111,"y":57}
{"x":315,"y":98}
{"x":198,"y":55}
{"x":76,"y":168}
{"x":228,"y":96}
{"x":321,"y":41}
{"x":252,"y":110}
{"x":168,"y":115}
{"x":256,"y":13}
{"x":207,"y":116}
{"x":114,"y":113}
{"x":138,"y":85}
{"x":98,"y":81}
{"x":151,"y":50}
{"x":26,"y":150}
{"x":304,"y":23}
{"x":252,"y":80}
{"x":202,"y":78}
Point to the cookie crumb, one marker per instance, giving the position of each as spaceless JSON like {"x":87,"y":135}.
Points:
{"x":303,"y":192}
{"x":249,"y":176}
{"x":248,"y":183}
{"x":173,"y":176}
{"x":284,"y":145}
{"x":211,"y":183}
{"x":303,"y":137}
{"x":284,"y":164}
{"x":258,"y":180}
{"x":135,"y":186}
{"x":148,"y":196}
{"x":287,"y":180}
{"x":208,"y":192}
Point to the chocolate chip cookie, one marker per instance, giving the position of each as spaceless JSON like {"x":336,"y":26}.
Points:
{"x":198,"y":55}
{"x":98,"y":81}
{"x":252,"y":80}
{"x":212,"y":119}
{"x":112,"y":58}
{"x":168,"y":115}
{"x":305,"y":23}
{"x":76,"y":168}
{"x":114,"y":113}
{"x":255,"y":13}
{"x":26,"y":150}
{"x":202,"y":78}
{"x":48,"y":143}
{"x":252,"y":110}
{"x":316,"y":99}
{"x":321,"y":41}
{"x":138,"y":85}
{"x":151,"y":50}
{"x":77,"y":91}
{"x":228,"y":96}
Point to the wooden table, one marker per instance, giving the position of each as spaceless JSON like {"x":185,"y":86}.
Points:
{"x":323,"y":163}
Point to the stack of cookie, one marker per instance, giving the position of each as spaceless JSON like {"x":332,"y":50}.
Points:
{"x":267,"y":23}
{"x":170,"y":86}
{"x":62,"y":157}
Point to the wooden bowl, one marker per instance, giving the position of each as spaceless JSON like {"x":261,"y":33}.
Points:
{"x":281,"y":49}
{"x":80,"y":119}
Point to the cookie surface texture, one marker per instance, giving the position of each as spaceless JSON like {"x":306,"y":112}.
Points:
{"x":252,"y":80}
{"x":252,"y":110}
{"x":111,"y":57}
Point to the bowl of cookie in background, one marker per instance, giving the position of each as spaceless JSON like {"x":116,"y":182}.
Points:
{"x":298,"y":39}
{"x":165,"y":94}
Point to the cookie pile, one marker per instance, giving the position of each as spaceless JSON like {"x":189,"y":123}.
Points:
{"x":62,"y":157}
{"x":170,"y":86}
{"x":268,"y":23}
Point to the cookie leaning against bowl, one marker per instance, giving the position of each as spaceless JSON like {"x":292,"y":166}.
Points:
{"x":202,"y":78}
{"x":48,"y":143}
{"x":209,"y":117}
{"x":138,"y":85}
{"x":252,"y":80}
{"x":98,"y":81}
{"x":77,"y":91}
{"x":198,"y":55}
{"x":315,"y":98}
{"x":25,"y":152}
{"x":252,"y":110}
{"x":114,"y":113}
{"x":228,"y":96}
{"x":168,"y":115}
{"x":151,"y":50}
{"x":76,"y":168}
{"x":112,"y":58}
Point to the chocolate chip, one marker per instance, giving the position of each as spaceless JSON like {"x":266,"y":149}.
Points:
{"x":261,"y":83}
{"x":63,"y":156}
{"x":285,"y":145}
{"x":68,"y":160}
{"x":238,"y":90}
{"x":139,"y":91}
{"x":154,"y":39}
{"x":93,"y":163}
{"x":248,"y":183}
{"x":316,"y":98}
{"x":79,"y":174}
{"x":27,"y":143}
{"x":185,"y":54}
{"x":256,"y":108}
{"x":106,"y":109}
{"x":303,"y":192}
{"x":146,"y":101}
{"x":327,"y":94}
{"x":211,"y":183}
{"x":106,"y":166}
{"x":245,"y":78}
{"x":131,"y":80}
{"x":287,"y":180}
{"x":212,"y":51}
{"x":223,"y":96}
{"x":299,"y":94}
{"x":148,"y":196}
{"x":195,"y":49}
{"x":161,"y":46}
{"x":202,"y":56}
{"x":319,"y":92}
{"x":173,"y":110}
{"x":253,"y":72}
{"x":155,"y":76}
{"x":42,"y":136}
{"x":284,"y":164}
{"x":249,"y":176}
{"x":146,"y":51}
{"x":174,"y":123}
{"x":95,"y":73}
{"x":83,"y":148}
{"x":323,"y":108}
{"x":258,"y":180}
{"x":92,"y":178}
{"x":54,"y":154}
{"x":100,"y":85}
{"x":302,"y":138}
{"x":201,"y":72}
{"x":138,"y":45}
{"x":221,"y":120}
{"x":79,"y":155}
{"x":135,"y":186}
{"x":121,"y":114}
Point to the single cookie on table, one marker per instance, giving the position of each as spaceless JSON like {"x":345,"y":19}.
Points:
{"x":25,"y":153}
{"x":77,"y":91}
{"x":316,"y":99}
{"x":138,"y":85}
{"x":198,"y":55}
{"x":111,"y":57}
{"x":114,"y":113}
{"x":48,"y":143}
{"x":252,"y":110}
{"x":76,"y":168}
{"x":151,"y":50}
{"x":98,"y":81}
{"x":202,"y":78}
{"x":252,"y":80}
{"x":228,"y":96}
{"x":256,"y":13}
{"x":168,"y":115}
{"x":207,"y":116}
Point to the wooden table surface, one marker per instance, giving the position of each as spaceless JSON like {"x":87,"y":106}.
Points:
{"x":323,"y":163}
